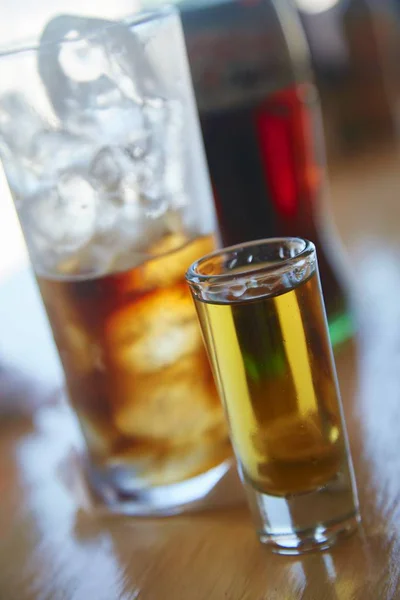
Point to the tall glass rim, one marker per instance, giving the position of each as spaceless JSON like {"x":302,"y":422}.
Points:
{"x":132,"y":20}
{"x":303,"y":255}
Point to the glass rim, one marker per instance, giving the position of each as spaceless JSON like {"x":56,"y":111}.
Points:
{"x":194,"y":276}
{"x":133,"y":19}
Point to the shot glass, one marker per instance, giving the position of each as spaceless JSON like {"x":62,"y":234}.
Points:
{"x":263,"y":321}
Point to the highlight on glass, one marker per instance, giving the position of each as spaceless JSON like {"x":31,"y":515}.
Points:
{"x":263,"y":321}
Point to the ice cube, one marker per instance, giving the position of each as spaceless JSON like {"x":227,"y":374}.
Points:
{"x":54,"y":150}
{"x":95,"y":259}
{"x":81,"y":60}
{"x":154,"y":207}
{"x":82,"y":83}
{"x":99,"y":63}
{"x":154,"y":332}
{"x":113,"y":170}
{"x":137,"y":148}
{"x":99,"y":259}
{"x":19,"y":123}
{"x":173,"y":256}
{"x":130,"y":194}
{"x":130,"y":65}
{"x":106,"y":169}
{"x":77,"y":196}
{"x":187,"y":460}
{"x":108,"y":214}
{"x":177,"y":404}
{"x":132,"y":237}
{"x":73,"y":74}
{"x":33,"y":154}
{"x":21,"y":178}
{"x":174,"y":180}
{"x":157,"y":159}
{"x":131,"y":181}
{"x":61,"y":217}
{"x":121,"y":124}
{"x":121,"y":135}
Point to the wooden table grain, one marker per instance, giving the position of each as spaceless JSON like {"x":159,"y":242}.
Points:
{"x":54,"y":547}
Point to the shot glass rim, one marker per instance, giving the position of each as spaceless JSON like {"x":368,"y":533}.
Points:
{"x":21,"y":47}
{"x":193,"y":276}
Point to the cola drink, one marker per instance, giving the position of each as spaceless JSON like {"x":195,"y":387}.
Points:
{"x":101,"y":146}
{"x":136,"y":368}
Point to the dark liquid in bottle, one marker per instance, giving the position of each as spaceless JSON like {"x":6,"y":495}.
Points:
{"x":266,"y":179}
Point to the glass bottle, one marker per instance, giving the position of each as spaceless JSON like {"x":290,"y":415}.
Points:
{"x":260,"y":118}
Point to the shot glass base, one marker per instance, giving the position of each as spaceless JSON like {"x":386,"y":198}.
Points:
{"x":320,"y":537}
{"x":118,"y":492}
{"x":305,"y":522}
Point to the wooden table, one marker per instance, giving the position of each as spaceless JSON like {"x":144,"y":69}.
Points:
{"x":53,"y":548}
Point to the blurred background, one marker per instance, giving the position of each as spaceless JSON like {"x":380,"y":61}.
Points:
{"x":355,"y":50}
{"x":355,"y":56}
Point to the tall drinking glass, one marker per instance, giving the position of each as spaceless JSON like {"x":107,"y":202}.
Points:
{"x":100,"y":143}
{"x":264,"y":324}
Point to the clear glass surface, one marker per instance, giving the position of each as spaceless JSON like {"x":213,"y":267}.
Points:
{"x":264,"y":324}
{"x":100,"y":143}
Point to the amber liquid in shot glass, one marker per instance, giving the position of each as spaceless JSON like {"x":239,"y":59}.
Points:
{"x":267,"y":339}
